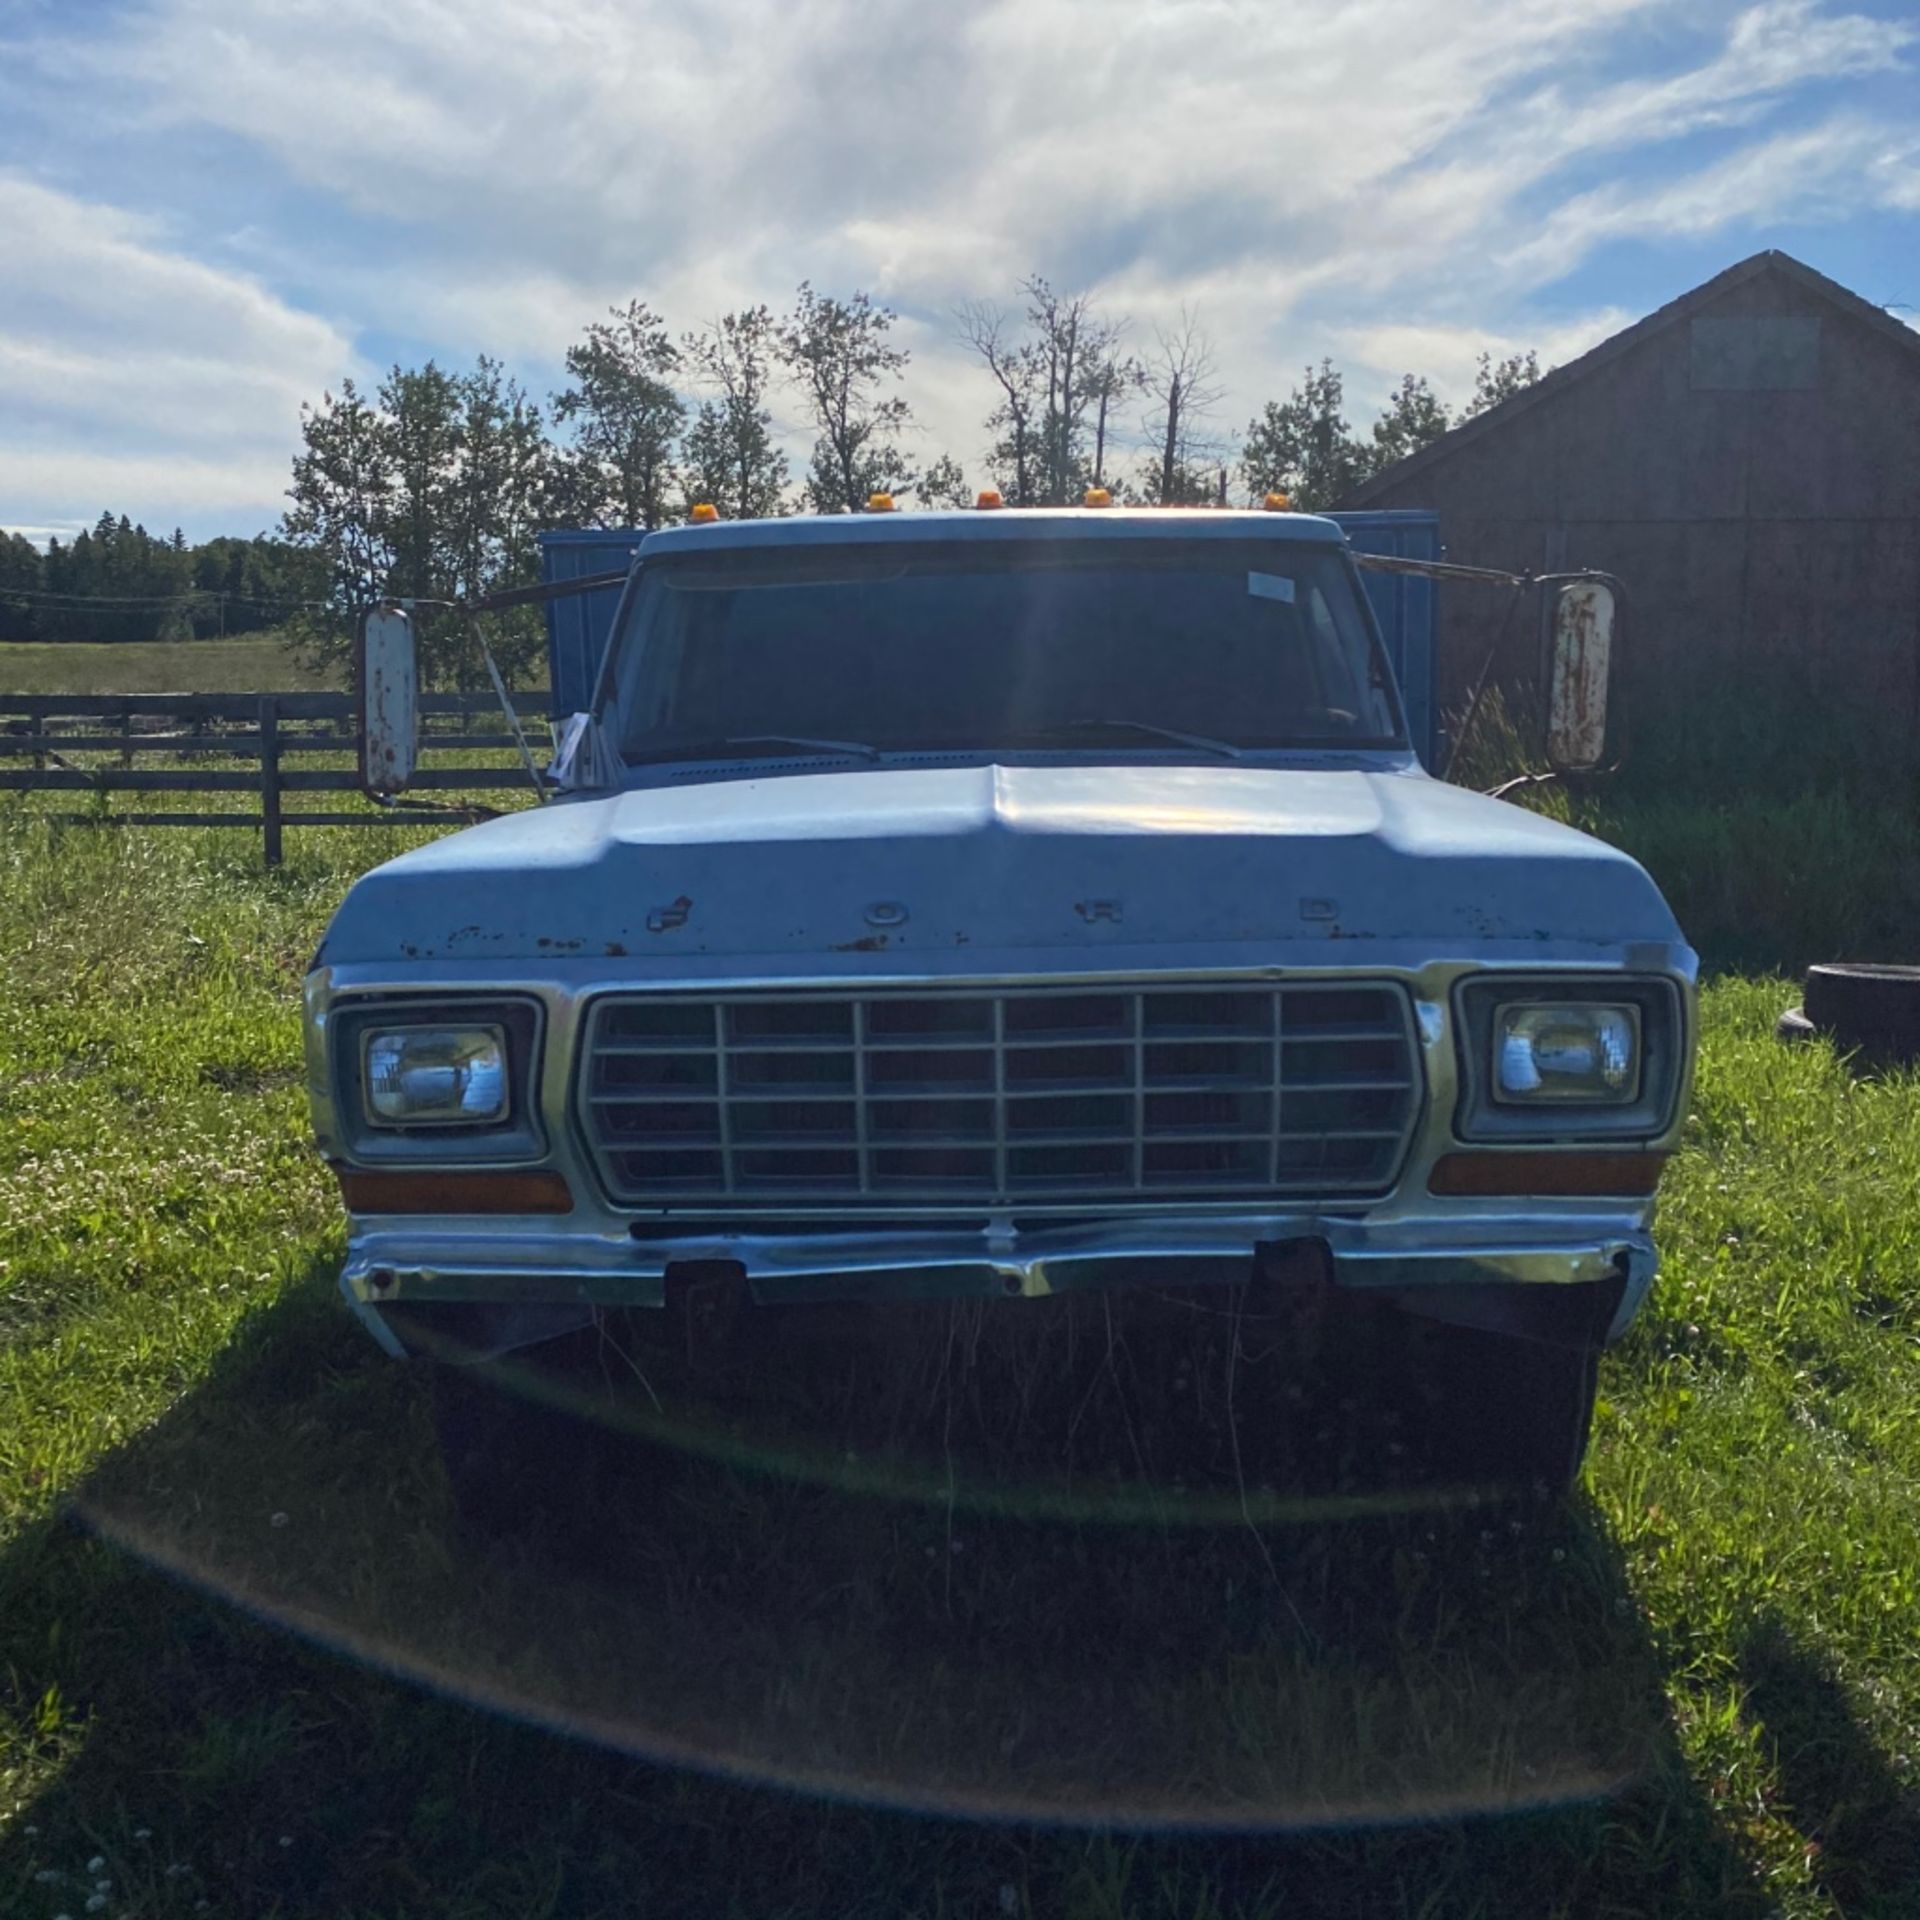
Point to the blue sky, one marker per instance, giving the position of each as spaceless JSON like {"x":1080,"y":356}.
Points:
{"x":212,"y":210}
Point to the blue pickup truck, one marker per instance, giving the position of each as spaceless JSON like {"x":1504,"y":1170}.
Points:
{"x":996,"y":904}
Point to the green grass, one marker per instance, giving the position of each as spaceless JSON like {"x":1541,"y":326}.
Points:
{"x":255,"y":663}
{"x":245,"y":1658}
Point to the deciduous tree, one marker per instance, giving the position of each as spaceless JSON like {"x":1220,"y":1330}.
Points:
{"x":1498,"y":380}
{"x":729,"y":456}
{"x":944,"y":485}
{"x":840,"y":356}
{"x":625,"y":416}
{"x":1412,"y":418}
{"x":1303,"y":446}
{"x":1180,"y":380}
{"x":1060,"y":381}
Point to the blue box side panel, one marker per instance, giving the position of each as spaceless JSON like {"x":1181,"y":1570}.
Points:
{"x":578,"y":628}
{"x":1404,"y":606}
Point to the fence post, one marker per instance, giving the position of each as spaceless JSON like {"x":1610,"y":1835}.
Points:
{"x":270,"y":777}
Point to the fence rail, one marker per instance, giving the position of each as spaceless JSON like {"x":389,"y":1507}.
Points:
{"x":264,"y":728}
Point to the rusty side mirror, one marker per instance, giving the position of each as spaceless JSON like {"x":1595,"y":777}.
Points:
{"x":1580,"y":648}
{"x":386,"y":678}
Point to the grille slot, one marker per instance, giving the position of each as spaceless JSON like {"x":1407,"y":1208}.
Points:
{"x":1030,"y":1095}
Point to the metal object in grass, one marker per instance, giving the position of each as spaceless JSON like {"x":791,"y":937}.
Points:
{"x":1870,"y":1012}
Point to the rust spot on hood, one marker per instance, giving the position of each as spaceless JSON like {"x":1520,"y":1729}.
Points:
{"x":867,"y":943}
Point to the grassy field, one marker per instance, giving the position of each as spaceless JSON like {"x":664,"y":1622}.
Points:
{"x":256,"y":663}
{"x":248,"y":1666}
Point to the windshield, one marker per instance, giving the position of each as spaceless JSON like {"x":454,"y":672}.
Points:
{"x":1183,"y":647}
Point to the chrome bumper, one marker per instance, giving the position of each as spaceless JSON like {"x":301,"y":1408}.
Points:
{"x":544,"y":1270}
{"x":573,"y":1274}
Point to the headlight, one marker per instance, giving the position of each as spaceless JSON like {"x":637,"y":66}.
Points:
{"x":1586,"y":1054}
{"x":1569,"y":1058}
{"x":436,"y":1076}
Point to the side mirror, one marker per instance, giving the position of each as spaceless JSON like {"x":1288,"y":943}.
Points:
{"x":386,"y":677}
{"x":1579,"y":668}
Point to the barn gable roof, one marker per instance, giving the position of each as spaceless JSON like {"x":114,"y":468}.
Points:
{"x":1595,"y":358}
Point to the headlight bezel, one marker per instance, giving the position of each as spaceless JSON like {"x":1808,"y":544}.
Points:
{"x":1483,"y":1116}
{"x":368,"y":1139}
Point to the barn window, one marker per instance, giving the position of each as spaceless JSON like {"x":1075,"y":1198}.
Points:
{"x":1755,"y":355}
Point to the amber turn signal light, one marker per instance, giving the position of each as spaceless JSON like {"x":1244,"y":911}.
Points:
{"x":421,"y":1192}
{"x":1513,"y":1175}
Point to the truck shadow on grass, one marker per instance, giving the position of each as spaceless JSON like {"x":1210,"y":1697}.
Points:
{"x":748,"y":1672}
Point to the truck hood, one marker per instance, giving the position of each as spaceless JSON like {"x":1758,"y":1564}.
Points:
{"x":937,"y":867}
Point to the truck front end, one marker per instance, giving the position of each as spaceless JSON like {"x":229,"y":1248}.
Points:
{"x":1001,"y":905}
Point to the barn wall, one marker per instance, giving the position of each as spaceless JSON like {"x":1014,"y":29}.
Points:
{"x":1756,"y":488}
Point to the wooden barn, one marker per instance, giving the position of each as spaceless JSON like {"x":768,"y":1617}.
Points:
{"x":1747,"y":460}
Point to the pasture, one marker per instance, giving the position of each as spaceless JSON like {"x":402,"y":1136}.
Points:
{"x":248,"y":1665}
{"x":257,"y":663}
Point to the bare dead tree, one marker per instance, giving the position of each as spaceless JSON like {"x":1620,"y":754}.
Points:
{"x":983,"y":330}
{"x":1184,"y":385}
{"x":1058,"y":384}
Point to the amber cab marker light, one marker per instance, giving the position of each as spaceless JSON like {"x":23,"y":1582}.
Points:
{"x":1545,"y":1175}
{"x":879,"y":503}
{"x":1279,"y":503}
{"x":988,"y":499}
{"x":417,"y":1192}
{"x":1097,"y":497}
{"x":703,"y":513}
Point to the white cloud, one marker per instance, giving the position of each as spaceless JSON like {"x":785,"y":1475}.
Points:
{"x":1770,"y":49}
{"x":1821,"y":172}
{"x":135,"y":377}
{"x":70,"y":489}
{"x":1396,"y":181}
{"x":1449,"y":355}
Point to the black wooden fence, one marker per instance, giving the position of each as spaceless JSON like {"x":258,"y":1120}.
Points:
{"x":106,"y":742}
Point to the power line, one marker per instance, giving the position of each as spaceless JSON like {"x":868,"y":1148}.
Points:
{"x":207,"y":597}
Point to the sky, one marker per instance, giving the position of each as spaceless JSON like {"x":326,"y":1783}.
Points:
{"x":212,"y":211}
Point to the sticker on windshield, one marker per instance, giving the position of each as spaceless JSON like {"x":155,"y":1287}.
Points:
{"x":1270,"y":586}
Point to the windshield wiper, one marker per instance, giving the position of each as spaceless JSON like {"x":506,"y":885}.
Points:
{"x":714,"y":749}
{"x":1222,"y":747}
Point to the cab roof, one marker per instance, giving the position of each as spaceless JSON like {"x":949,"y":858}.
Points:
{"x":1010,"y":524}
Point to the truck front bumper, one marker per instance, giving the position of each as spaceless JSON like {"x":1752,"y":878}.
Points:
{"x":542,"y":1282}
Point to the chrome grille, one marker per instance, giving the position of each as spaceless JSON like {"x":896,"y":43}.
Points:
{"x":1028,"y":1096}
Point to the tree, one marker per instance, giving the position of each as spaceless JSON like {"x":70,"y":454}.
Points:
{"x":729,"y":456}
{"x":626,"y":417}
{"x":22,"y":574}
{"x":1497,"y":380}
{"x":944,"y":485}
{"x":1412,"y":418}
{"x":422,"y":410}
{"x":839,"y":354}
{"x":1059,"y":383}
{"x":243,"y":586}
{"x":495,"y":498}
{"x":495,"y":487}
{"x":1304,"y":447}
{"x":435,"y":493}
{"x":1110,"y":376}
{"x":1181,"y":382}
{"x":1015,"y":459}
{"x":344,"y":479}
